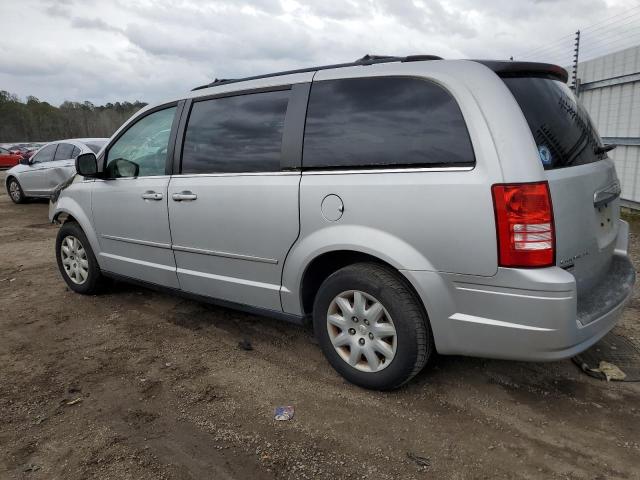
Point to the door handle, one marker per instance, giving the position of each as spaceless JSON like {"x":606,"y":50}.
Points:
{"x":151,"y":195}
{"x":185,"y":196}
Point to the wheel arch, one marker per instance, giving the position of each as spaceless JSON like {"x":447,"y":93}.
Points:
{"x":68,"y":210}
{"x":62,"y":217}
{"x":327,"y":263}
{"x":341,"y":245}
{"x":8,"y":179}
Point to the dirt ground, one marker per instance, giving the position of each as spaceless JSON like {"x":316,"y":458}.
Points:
{"x":134,"y":384}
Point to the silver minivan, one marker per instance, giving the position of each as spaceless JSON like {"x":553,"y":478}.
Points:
{"x":404,"y":205}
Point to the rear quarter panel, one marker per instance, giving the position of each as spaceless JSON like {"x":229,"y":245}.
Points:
{"x":431,"y":220}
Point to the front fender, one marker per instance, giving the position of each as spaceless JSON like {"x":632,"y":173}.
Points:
{"x":380,"y":244}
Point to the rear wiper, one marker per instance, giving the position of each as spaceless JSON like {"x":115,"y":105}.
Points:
{"x":604,"y":149}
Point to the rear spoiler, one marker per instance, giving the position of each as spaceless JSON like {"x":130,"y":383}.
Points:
{"x":507,"y":69}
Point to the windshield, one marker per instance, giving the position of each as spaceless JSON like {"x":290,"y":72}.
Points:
{"x":560,"y":126}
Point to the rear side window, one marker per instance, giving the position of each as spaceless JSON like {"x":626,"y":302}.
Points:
{"x":64,"y":151}
{"x":384,"y":121}
{"x":235,"y":134}
{"x":560,"y":126}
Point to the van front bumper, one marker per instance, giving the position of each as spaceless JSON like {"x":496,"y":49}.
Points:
{"x":518,"y":314}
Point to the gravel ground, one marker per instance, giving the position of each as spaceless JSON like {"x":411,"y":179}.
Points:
{"x":134,"y":384}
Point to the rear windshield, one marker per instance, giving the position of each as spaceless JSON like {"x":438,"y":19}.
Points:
{"x":95,"y":146}
{"x":560,"y":126}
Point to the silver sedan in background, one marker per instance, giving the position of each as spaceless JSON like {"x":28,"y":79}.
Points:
{"x":52,"y":165}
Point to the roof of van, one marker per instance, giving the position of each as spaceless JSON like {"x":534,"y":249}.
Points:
{"x":503,"y":68}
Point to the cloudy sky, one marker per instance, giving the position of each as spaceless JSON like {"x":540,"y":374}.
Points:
{"x":146,"y":50}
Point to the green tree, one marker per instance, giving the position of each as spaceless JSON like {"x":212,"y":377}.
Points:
{"x":34,"y":120}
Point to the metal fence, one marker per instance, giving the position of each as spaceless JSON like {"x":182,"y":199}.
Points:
{"x":609,"y":88}
{"x":603,"y":61}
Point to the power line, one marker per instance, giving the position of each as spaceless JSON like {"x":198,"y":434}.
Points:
{"x":612,"y":46}
{"x":613,"y":35}
{"x":619,"y":30}
{"x":607,"y":20}
{"x":542,"y":51}
{"x":624,"y":35}
{"x":606,"y":23}
{"x":563,"y":52}
{"x":565,"y":38}
{"x":568,"y":52}
{"x":587,"y":39}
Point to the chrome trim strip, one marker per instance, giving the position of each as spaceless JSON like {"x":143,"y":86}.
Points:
{"x":387,"y":170}
{"x":236,"y":174}
{"x":606,"y":194}
{"x":216,"y":253}
{"x":463,"y":317}
{"x":159,"y":266}
{"x":151,"y":177}
{"x":519,"y":295}
{"x":222,"y":278}
{"x":138,"y":242}
{"x":326,"y":172}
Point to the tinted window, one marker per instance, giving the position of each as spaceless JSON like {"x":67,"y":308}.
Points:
{"x":560,"y":126}
{"x":235,"y":134}
{"x":45,"y":154}
{"x":384,"y":121}
{"x":75,"y":153}
{"x":142,"y":149}
{"x":64,"y":151}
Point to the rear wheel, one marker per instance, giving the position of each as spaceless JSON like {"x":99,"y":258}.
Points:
{"x":371,"y":327}
{"x":76,"y":260}
{"x":15,"y":191}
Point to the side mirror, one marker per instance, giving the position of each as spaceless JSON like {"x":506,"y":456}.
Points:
{"x":87,"y":165}
{"x":24,"y":161}
{"x":122,"y":168}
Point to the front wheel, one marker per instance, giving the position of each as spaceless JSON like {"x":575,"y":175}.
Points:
{"x":15,"y":191}
{"x":76,"y":260}
{"x":371,"y":327}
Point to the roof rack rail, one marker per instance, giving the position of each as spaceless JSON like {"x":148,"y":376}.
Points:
{"x":363,"y":61}
{"x":222,"y":80}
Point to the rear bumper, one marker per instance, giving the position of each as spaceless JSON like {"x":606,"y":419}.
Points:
{"x":521,"y":314}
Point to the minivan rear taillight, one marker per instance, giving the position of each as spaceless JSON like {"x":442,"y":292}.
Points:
{"x":524,"y":224}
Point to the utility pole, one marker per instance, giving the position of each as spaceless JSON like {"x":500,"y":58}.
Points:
{"x":576,"y":52}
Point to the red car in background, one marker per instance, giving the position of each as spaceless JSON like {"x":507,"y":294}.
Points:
{"x":23,"y":150}
{"x":8,"y":159}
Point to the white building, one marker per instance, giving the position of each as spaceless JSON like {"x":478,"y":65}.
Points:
{"x":609,"y":87}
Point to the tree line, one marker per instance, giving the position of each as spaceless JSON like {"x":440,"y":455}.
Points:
{"x":36,"y":121}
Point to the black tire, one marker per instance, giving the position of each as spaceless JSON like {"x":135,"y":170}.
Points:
{"x":414,"y":337}
{"x":17,"y":199}
{"x":94,"y":279}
